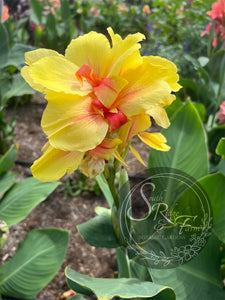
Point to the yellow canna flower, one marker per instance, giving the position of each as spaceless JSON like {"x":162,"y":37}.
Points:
{"x":55,"y":163}
{"x":100,"y":88}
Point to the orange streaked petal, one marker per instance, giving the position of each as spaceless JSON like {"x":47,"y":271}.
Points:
{"x":136,"y":125}
{"x":160,"y":116}
{"x":109,"y":89}
{"x":60,"y":78}
{"x":91,"y":49}
{"x":71,"y":123}
{"x":116,"y":120}
{"x":105,"y":149}
{"x":86,"y":72}
{"x":54,"y":164}
{"x":155,"y":140}
{"x":137,"y":155}
{"x":149,"y":85}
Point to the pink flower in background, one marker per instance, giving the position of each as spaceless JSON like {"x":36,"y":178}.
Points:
{"x":217,"y":14}
{"x":221,"y":114}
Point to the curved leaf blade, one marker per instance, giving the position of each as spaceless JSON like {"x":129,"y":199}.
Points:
{"x":35,"y":263}
{"x":107,"y":288}
{"x":18,"y":202}
{"x":198,"y":279}
{"x":187,"y":139}
{"x":99,"y":231}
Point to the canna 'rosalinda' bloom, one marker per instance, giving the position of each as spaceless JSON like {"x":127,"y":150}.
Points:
{"x":100,"y":95}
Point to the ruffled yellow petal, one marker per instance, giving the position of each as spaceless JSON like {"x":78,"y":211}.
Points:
{"x":92,"y":49}
{"x":54,"y":164}
{"x":121,"y":49}
{"x":33,"y":56}
{"x":160,"y":116}
{"x":71,"y":123}
{"x":92,"y":167}
{"x":155,"y":140}
{"x":146,"y":88}
{"x":137,"y":155}
{"x":58,"y":74}
{"x":131,"y":62}
{"x":106,"y":149}
{"x":171,"y":76}
{"x":136,"y":125}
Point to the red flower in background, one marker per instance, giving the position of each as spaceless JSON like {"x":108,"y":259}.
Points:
{"x":217,"y":15}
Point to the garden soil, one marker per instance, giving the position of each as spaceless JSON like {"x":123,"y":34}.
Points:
{"x":60,"y":210}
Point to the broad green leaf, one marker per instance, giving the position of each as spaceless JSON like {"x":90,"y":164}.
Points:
{"x":6,"y":181}
{"x":19,"y":87}
{"x":4,"y":48}
{"x":107,"y":288}
{"x":203,"y":60}
{"x":18,"y":202}
{"x":220,"y":149}
{"x":173,"y":107}
{"x":16,"y":55}
{"x":35,"y":263}
{"x":214,"y":186}
{"x":37,"y":9}
{"x":65,"y":10}
{"x":105,"y":189}
{"x":99,"y":231}
{"x":139,"y":271}
{"x":198,"y":279}
{"x":7,"y":160}
{"x":187,"y":140}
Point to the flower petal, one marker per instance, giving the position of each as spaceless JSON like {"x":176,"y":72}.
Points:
{"x":155,"y":140}
{"x":121,"y":49}
{"x":105,"y":149}
{"x":109,"y":89}
{"x":147,"y":87}
{"x":170,"y":73}
{"x":160,"y":116}
{"x":72,"y":124}
{"x":91,"y":49}
{"x":33,"y":56}
{"x":137,"y":155}
{"x":58,"y":74}
{"x":136,"y":125}
{"x":54,"y":164}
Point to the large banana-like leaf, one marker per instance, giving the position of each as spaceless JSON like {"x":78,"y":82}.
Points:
{"x":187,"y":139}
{"x":35,"y":263}
{"x":198,"y":279}
{"x":108,"y":288}
{"x":22,"y":198}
